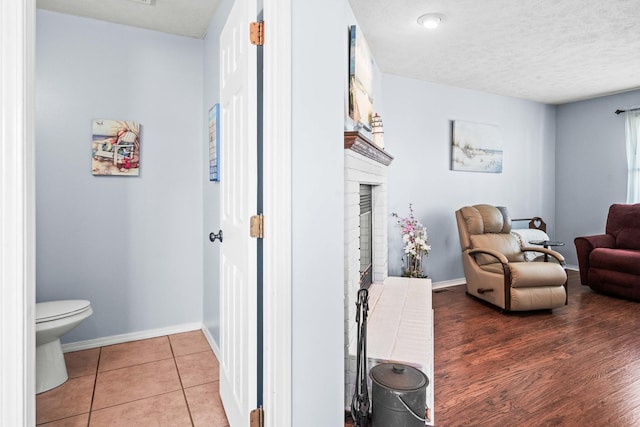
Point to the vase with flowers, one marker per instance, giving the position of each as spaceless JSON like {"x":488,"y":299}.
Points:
{"x":416,"y":244}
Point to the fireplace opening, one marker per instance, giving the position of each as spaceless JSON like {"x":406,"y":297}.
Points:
{"x":366,"y":236}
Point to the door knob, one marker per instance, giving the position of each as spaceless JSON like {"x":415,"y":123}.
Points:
{"x":213,"y":236}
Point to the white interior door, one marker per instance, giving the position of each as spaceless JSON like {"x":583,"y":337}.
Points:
{"x":238,"y":188}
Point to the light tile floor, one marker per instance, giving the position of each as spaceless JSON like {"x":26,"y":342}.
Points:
{"x":166,"y":381}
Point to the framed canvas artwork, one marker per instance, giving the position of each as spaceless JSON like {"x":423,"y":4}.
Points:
{"x":214,"y":143}
{"x":476,"y":147}
{"x":115,"y":147}
{"x":360,"y":79}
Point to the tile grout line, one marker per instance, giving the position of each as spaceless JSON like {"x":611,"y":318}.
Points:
{"x":137,"y":364}
{"x":172,"y":356}
{"x":130,"y":366}
{"x":141,"y":363}
{"x":184,"y":395}
{"x":95,"y":383}
{"x":135,"y":400}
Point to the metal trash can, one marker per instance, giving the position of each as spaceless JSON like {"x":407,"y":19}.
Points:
{"x":398,"y":396}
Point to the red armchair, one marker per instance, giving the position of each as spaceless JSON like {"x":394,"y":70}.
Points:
{"x":610,"y":262}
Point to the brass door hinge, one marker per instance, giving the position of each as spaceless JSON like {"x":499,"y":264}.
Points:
{"x":256,"y":33}
{"x":257,"y":226}
{"x":256,"y":417}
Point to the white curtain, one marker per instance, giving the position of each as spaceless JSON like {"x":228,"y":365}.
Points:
{"x":632,"y":131}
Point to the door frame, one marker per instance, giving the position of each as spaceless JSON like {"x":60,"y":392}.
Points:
{"x":277,"y":272}
{"x":18,"y":367}
{"x":17,"y":212}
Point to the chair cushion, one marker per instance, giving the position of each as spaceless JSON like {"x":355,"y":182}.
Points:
{"x":537,"y":298}
{"x":495,"y":267}
{"x":628,"y":238}
{"x":621,"y":260}
{"x":504,"y":243}
{"x":621,"y":217}
{"x":531,"y":274}
{"x":486,"y":219}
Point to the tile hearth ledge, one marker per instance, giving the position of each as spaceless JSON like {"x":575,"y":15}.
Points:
{"x":400,"y":327}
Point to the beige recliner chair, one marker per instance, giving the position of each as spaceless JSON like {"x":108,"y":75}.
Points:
{"x":495,"y":266}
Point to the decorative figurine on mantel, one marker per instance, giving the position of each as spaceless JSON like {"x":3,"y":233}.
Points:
{"x":377,"y":130}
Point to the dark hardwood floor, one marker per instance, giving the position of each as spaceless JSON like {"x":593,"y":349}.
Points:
{"x":578,"y":365}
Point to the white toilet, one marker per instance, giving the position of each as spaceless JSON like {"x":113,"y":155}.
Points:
{"x":53,"y":320}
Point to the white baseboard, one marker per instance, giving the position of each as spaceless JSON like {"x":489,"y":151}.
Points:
{"x":572,"y":267}
{"x":212,"y":343}
{"x":448,"y":283}
{"x":133,"y":336}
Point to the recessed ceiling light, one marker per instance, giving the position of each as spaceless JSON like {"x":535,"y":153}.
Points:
{"x":431,"y":20}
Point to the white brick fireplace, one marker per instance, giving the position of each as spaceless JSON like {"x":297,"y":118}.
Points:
{"x":400,"y":326}
{"x":364,"y":163}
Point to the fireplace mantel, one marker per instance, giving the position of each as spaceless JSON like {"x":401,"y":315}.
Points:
{"x":354,"y":140}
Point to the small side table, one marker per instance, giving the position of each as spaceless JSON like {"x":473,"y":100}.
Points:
{"x":546,"y":244}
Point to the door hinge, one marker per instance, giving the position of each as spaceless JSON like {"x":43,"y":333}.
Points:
{"x":256,"y":417}
{"x":256,"y":228}
{"x":256,"y":33}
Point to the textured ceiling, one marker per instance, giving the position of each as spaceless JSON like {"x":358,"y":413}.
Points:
{"x":551,"y":51}
{"x":182,"y":17}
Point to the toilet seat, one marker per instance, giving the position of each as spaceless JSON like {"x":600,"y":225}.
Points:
{"x":53,"y":310}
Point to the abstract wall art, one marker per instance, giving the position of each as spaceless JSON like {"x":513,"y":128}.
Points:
{"x":476,"y":147}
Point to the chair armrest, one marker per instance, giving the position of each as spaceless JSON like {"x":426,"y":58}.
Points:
{"x":584,"y":246}
{"x":596,"y":241}
{"x":550,"y":252}
{"x":498,"y":255}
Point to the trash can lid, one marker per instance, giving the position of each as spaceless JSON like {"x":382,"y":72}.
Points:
{"x":399,"y":377}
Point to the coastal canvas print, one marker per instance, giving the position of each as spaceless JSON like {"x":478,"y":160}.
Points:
{"x":476,"y":147}
{"x":214,"y":143}
{"x":115,"y":147}
{"x":360,"y":79}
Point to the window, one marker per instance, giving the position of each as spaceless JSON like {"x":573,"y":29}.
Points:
{"x":632,"y":132}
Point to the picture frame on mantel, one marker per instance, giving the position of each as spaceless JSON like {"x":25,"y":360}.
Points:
{"x":214,"y":143}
